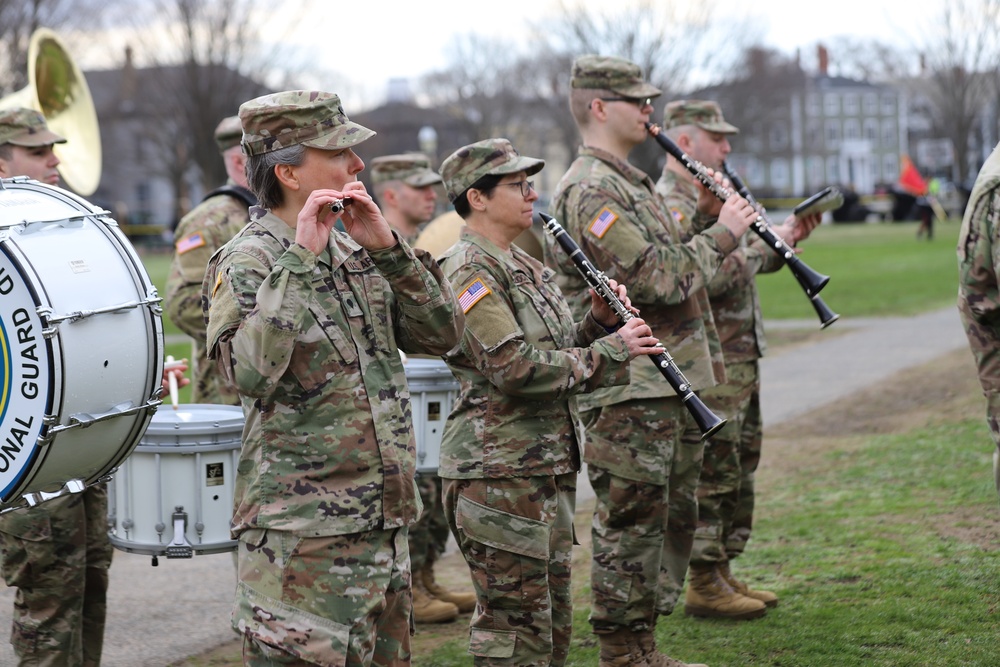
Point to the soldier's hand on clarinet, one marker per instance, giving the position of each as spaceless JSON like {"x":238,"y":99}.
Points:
{"x":601,"y":311}
{"x":737,"y":214}
{"x":708,"y":202}
{"x":639,"y":339}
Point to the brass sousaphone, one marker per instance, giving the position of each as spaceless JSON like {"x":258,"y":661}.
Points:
{"x":57,"y":89}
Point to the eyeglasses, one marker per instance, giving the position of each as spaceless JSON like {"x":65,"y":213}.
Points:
{"x":641,"y":102}
{"x":526,"y":187}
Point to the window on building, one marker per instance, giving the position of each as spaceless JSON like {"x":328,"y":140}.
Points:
{"x":852,"y":129}
{"x":888,"y":105}
{"x":851,"y":104}
{"x":871,"y":131}
{"x":779,"y":173}
{"x":779,"y":136}
{"x":813,"y":107}
{"x":814,"y":173}
{"x":814,"y":135}
{"x":888,"y":133}
{"x":890,"y":168}
{"x":833,"y":134}
{"x":871,"y":104}
{"x":833,"y":169}
{"x":754,"y":173}
{"x":831,"y":103}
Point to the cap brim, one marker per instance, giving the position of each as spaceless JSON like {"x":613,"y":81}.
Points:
{"x":343,"y":136}
{"x":638,"y":90}
{"x":719,"y":128}
{"x":423,"y":180}
{"x":529,"y":165}
{"x":43,"y":138}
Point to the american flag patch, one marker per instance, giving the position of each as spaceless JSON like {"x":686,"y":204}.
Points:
{"x":190,"y":242}
{"x":472,"y":294}
{"x":602,"y":223}
{"x":678,"y":216}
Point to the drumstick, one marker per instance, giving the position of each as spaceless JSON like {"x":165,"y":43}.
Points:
{"x":172,"y":380}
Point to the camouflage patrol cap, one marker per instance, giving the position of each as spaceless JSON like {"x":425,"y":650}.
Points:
{"x":414,"y":169}
{"x":702,"y":113}
{"x":308,"y":117}
{"x":26,"y":127}
{"x":611,"y":73}
{"x":228,"y":133}
{"x":495,"y":157}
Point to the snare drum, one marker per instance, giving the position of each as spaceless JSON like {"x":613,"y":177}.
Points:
{"x":174,"y":495}
{"x":433,"y":390}
{"x":81,"y":344}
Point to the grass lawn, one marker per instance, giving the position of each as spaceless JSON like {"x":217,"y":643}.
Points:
{"x":875,"y":270}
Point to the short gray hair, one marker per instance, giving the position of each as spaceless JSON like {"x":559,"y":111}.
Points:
{"x":260,"y":173}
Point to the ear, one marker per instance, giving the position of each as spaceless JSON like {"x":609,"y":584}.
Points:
{"x":390,"y":197}
{"x":287,"y":175}
{"x":477,"y":200}
{"x":597,"y":109}
{"x":684,"y":142}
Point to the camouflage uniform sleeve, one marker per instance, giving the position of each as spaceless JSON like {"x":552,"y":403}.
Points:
{"x":257,"y":310}
{"x":428,"y":319}
{"x":195,"y":243}
{"x":496,"y":344}
{"x":637,"y":250}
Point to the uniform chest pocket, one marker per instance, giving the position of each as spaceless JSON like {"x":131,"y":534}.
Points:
{"x":537,"y":313}
{"x":324,"y":350}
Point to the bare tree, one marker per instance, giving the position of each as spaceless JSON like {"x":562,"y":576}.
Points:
{"x":960,"y":73}
{"x":20,"y":18}
{"x":205,"y":58}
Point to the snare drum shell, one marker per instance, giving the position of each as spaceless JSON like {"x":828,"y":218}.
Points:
{"x":186,"y":459}
{"x":433,"y":390}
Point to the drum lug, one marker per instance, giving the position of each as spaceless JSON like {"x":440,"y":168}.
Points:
{"x":179,"y":547}
{"x":72,"y":486}
{"x":84,"y":419}
{"x":151,"y":301}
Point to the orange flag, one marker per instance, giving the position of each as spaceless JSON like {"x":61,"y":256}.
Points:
{"x":910,"y":179}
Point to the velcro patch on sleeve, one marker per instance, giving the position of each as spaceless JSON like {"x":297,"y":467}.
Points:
{"x":602,"y":223}
{"x":473,"y":294}
{"x":190,"y":242}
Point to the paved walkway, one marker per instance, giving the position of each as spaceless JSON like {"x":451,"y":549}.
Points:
{"x":160,"y":615}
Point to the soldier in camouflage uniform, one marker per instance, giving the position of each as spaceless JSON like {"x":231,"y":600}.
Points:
{"x":511,"y":446}
{"x":644,"y":450}
{"x":725,"y":489}
{"x":57,"y":554}
{"x":307,"y":323}
{"x":201,"y":232}
{"x":978,"y":289}
{"x":404,"y":187}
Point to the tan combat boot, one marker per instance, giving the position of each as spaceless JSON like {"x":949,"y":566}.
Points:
{"x":465,"y":602}
{"x":647,"y":644}
{"x":710,"y":596}
{"x":428,"y":610}
{"x":767,"y":597}
{"x":621,"y":649}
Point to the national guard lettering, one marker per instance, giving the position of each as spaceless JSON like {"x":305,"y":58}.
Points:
{"x":602,"y":223}
{"x":472,"y":294}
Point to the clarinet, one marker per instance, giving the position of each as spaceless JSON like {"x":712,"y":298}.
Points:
{"x":708,"y":422}
{"x":826,"y":315}
{"x":811,"y":281}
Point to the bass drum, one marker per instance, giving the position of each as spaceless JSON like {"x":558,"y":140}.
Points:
{"x":81,"y":344}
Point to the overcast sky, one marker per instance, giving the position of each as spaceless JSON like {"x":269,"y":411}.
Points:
{"x":391,"y":39}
